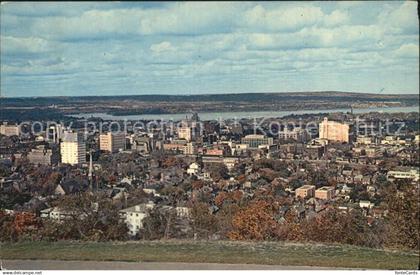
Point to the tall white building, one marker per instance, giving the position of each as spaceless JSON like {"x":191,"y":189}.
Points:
{"x":73,"y":148}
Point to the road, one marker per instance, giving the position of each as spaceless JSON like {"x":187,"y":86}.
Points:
{"x":111,"y":265}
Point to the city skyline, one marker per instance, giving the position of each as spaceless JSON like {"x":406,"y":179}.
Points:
{"x":74,"y":49}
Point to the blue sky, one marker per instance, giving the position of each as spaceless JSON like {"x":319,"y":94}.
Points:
{"x":55,"y":49}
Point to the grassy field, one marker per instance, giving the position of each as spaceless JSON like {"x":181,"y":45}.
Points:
{"x":215,"y":252}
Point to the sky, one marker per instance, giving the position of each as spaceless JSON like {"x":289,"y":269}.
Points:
{"x":128,"y":48}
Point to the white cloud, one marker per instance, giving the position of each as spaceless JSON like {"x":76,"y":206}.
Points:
{"x":408,"y":50}
{"x":162,"y":47}
{"x":289,"y":18}
{"x":10,"y":44}
{"x":337,"y":17}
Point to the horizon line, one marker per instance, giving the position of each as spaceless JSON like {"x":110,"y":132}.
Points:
{"x":212,"y":94}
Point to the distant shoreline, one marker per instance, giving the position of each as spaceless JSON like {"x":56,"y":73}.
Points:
{"x":244,"y":114}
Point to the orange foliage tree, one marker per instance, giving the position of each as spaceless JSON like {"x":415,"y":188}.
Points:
{"x":254,"y":222}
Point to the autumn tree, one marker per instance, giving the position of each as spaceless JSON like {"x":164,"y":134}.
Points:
{"x":403,"y":217}
{"x":203,"y":222}
{"x":91,"y":217}
{"x":254,"y":222}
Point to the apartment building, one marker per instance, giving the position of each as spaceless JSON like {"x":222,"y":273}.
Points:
{"x":334,"y":131}
{"x":112,"y":142}
{"x":73,"y":148}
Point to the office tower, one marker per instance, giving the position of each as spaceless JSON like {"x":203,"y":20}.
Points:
{"x":73,"y":148}
{"x":112,"y":142}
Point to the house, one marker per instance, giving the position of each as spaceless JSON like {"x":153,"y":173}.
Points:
{"x":55,"y":213}
{"x":366,"y":204}
{"x":151,"y":191}
{"x":134,"y":216}
{"x":193,"y":169}
{"x":71,"y":187}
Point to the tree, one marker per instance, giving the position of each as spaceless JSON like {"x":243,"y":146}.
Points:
{"x":20,"y":226}
{"x":403,"y":217}
{"x":155,"y":225}
{"x":204,"y":223}
{"x":218,"y":171}
{"x":91,"y":217}
{"x":254,"y":222}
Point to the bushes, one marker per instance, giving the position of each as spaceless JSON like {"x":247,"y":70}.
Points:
{"x":257,"y":222}
{"x":19,"y":227}
{"x":90,"y":217}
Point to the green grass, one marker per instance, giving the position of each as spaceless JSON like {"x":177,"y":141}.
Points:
{"x":271,"y":253}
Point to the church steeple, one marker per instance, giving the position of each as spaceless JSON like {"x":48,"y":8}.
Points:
{"x":90,"y":174}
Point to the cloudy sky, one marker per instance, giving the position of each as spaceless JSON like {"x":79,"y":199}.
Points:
{"x":191,"y":48}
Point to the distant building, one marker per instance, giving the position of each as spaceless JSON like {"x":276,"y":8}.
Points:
{"x":404,"y":173}
{"x":43,"y":156}
{"x":230,"y":162}
{"x":142,"y":144}
{"x":305,"y":192}
{"x":73,"y":148}
{"x":55,"y":133}
{"x":298,"y":134}
{"x":315,"y":151}
{"x":365,"y":140}
{"x":190,"y":149}
{"x":254,"y":141}
{"x":55,"y":213}
{"x":185,"y":132}
{"x":193,"y":169}
{"x":190,"y":129}
{"x":334,"y":131}
{"x":9,"y":130}
{"x":366,"y":204}
{"x":177,"y":146}
{"x":325,"y":193}
{"x":112,"y":142}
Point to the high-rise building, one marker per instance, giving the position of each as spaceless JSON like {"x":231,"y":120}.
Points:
{"x":112,"y":142}
{"x":334,"y":131}
{"x":185,"y":132}
{"x":54,"y":133}
{"x":73,"y":148}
